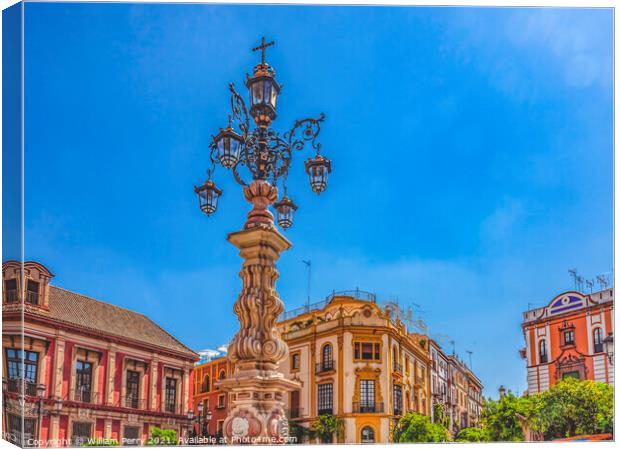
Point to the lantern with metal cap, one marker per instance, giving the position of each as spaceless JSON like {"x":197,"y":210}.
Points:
{"x":285,"y":210}
{"x":208,"y":194}
{"x":318,"y":169}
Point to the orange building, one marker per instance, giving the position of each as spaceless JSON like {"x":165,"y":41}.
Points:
{"x":210,"y":403}
{"x":565,"y":339}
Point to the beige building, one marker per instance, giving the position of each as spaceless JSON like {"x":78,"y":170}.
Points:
{"x":464,"y":395}
{"x":353,"y":361}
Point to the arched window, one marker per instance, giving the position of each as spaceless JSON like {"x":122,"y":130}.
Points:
{"x":368,"y":435}
{"x":206,"y":384}
{"x":542,"y":351}
{"x":598,"y":339}
{"x":222,"y":375}
{"x":327,"y":357}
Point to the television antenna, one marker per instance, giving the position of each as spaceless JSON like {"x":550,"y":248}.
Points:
{"x":580,"y":283}
{"x":602,"y":281}
{"x":573,"y":273}
{"x":589,"y":284}
{"x":469,"y":353}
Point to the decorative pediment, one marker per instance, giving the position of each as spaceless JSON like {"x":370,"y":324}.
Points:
{"x":567,"y":302}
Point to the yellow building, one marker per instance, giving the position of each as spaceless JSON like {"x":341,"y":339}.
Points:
{"x":353,"y":361}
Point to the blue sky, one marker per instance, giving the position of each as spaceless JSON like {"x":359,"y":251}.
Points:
{"x":471,"y":148}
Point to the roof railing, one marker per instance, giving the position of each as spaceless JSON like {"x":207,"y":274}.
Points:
{"x":357,"y":294}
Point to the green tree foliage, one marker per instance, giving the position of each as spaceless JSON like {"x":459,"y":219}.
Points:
{"x":162,"y":437}
{"x":439,"y":414}
{"x":500,"y":419}
{"x":297,"y":432}
{"x":573,"y":407}
{"x":100,"y":442}
{"x":325,"y":426}
{"x":415,"y":428}
{"x":569,"y":408}
{"x":472,"y":435}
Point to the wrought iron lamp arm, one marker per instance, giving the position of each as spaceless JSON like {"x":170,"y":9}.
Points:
{"x":311,"y":129}
{"x":239,"y":110}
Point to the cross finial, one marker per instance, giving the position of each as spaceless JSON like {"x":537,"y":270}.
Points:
{"x":263,"y":45}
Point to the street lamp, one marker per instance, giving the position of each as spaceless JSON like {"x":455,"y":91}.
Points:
{"x":608,"y":344}
{"x":263,"y":154}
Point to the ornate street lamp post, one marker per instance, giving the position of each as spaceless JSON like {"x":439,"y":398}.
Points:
{"x":608,"y":344}
{"x":256,"y":388}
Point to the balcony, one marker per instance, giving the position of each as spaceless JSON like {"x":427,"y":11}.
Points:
{"x":22,"y":385}
{"x":83,"y":395}
{"x":325,"y":366}
{"x":295,"y":412}
{"x":398,"y":411}
{"x":134,"y":402}
{"x":326,"y":411}
{"x":364,"y":407}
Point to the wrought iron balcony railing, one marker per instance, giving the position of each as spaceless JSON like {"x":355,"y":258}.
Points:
{"x":134,"y":402}
{"x":357,"y":294}
{"x":324,"y":366}
{"x":295,"y":412}
{"x":84,"y":395}
{"x":326,"y":411}
{"x":22,"y":386}
{"x":367,"y":407}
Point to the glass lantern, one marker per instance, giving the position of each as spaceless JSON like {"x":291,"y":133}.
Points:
{"x":285,"y":210}
{"x":228,"y":144}
{"x":264,"y":92}
{"x":318,"y":169}
{"x":608,"y":344}
{"x":208,"y":194}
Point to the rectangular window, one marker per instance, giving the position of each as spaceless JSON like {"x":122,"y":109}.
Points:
{"x":325,"y":399}
{"x":569,"y":337}
{"x":131,"y":436}
{"x":10,"y":291}
{"x":32,"y":292}
{"x":22,"y":365}
{"x":82,"y":432}
{"x":367,"y":351}
{"x":220,"y":428}
{"x":132,"y":387}
{"x":171,"y":395}
{"x":367,"y":395}
{"x":83,"y":380}
{"x":221,"y":401}
{"x":295,"y":361}
{"x":398,"y":399}
{"x":16,"y":436}
{"x":295,"y":411}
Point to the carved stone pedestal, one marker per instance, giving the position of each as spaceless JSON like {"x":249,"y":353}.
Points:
{"x":256,"y":389}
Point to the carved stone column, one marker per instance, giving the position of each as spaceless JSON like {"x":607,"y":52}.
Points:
{"x":256,"y":388}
